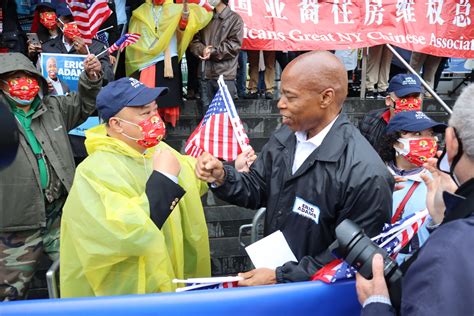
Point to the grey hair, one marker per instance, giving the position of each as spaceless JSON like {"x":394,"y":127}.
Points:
{"x":462,"y":119}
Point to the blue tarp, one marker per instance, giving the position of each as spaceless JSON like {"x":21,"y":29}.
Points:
{"x":303,"y":298}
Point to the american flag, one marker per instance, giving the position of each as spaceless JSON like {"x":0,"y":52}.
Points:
{"x":124,"y":41}
{"x":220,"y":132}
{"x":393,"y":238}
{"x":89,"y":16}
{"x":207,"y":286}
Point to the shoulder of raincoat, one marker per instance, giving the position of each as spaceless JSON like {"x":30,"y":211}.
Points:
{"x":156,"y":38}
{"x":343,"y":178}
{"x":109,"y":244}
{"x":22,"y":200}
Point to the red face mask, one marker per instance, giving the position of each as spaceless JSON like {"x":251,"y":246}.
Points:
{"x":48,"y":19}
{"x":418,"y":150}
{"x":70,"y":30}
{"x":24,"y":88}
{"x":153,"y":130}
{"x":407,"y":104}
{"x":158,"y":2}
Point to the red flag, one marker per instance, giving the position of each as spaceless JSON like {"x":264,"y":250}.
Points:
{"x":89,"y":16}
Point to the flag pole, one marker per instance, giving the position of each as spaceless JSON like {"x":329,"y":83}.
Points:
{"x":234,"y":119}
{"x":427,"y":86}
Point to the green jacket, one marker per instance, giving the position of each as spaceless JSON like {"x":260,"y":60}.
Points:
{"x":22,"y":200}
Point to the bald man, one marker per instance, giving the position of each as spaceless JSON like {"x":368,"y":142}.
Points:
{"x":314,"y":172}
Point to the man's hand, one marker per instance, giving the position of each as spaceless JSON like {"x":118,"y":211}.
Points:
{"x":206,"y":53}
{"x":50,"y":86}
{"x":245,"y":160}
{"x":260,"y":276}
{"x":80,"y":45}
{"x":210,"y":169}
{"x":92,"y":67}
{"x":33,"y":49}
{"x":112,"y":59}
{"x":436,"y":185}
{"x":165,"y":161}
{"x":398,"y":181}
{"x":376,"y":286}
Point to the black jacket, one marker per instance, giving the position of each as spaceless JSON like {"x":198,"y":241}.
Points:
{"x":373,"y":127}
{"x":441,"y":279}
{"x":56,"y":46}
{"x":343,"y":178}
{"x":12,"y":37}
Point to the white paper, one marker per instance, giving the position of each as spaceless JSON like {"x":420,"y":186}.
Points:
{"x":270,"y":252}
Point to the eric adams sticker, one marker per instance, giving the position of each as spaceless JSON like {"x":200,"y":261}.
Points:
{"x":306,"y":209}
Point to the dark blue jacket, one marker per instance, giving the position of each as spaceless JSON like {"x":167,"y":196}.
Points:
{"x":441,"y":279}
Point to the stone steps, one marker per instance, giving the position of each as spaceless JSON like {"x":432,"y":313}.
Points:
{"x":261,"y":118}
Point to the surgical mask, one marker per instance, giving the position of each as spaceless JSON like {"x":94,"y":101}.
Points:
{"x":417,"y":150}
{"x":443,"y":163}
{"x":214,"y":3}
{"x":48,"y":19}
{"x":22,"y":90}
{"x":407,"y":104}
{"x":70,"y":30}
{"x":153,"y":130}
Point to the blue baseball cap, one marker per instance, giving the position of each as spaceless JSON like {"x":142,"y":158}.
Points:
{"x":62,"y":9}
{"x":122,"y":93}
{"x":413,"y":121}
{"x":404,"y":84}
{"x":47,"y":3}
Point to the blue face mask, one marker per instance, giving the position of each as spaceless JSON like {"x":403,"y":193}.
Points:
{"x":19,"y":101}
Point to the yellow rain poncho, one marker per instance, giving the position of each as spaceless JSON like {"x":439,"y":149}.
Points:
{"x":109,"y":244}
{"x":154,"y":41}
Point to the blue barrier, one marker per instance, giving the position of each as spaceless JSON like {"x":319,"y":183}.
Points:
{"x":303,"y":298}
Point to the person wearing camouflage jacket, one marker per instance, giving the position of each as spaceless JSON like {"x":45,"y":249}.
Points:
{"x":34,"y":187}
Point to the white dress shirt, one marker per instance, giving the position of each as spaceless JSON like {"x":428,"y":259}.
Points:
{"x":304,"y":146}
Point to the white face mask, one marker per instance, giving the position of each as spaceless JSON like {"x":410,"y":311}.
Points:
{"x":214,"y":3}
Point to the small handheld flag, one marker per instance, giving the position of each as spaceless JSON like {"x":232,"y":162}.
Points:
{"x":220,"y":132}
{"x":125,"y":40}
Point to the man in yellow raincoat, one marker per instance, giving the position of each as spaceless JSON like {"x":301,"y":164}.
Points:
{"x":166,"y":30}
{"x":133,"y":220}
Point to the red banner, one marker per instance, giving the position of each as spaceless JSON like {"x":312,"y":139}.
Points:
{"x":436,"y":27}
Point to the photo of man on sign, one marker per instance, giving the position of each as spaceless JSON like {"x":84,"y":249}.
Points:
{"x":62,"y":71}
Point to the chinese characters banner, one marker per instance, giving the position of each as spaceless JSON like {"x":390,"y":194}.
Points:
{"x":436,"y":27}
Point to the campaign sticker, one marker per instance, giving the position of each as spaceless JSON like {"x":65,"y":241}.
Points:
{"x":305,"y":209}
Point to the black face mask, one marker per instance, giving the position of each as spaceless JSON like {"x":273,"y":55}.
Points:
{"x":443,"y":164}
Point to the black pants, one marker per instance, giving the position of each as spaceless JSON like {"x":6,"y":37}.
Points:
{"x":209,"y":88}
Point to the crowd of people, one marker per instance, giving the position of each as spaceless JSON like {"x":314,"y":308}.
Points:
{"x":129,"y":218}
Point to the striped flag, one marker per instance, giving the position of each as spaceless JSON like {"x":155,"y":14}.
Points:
{"x":220,"y":132}
{"x":393,"y":238}
{"x":207,"y":286}
{"x":89,"y":16}
{"x":124,"y":41}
